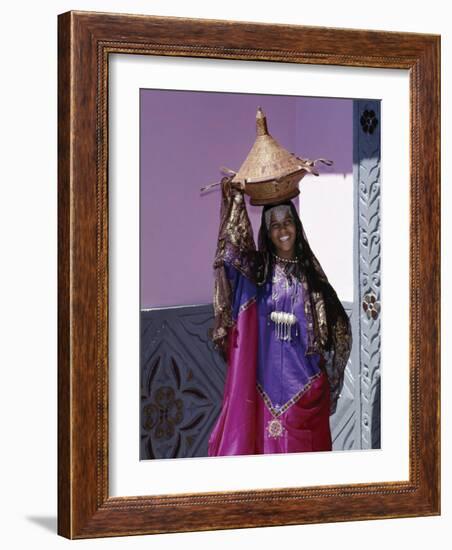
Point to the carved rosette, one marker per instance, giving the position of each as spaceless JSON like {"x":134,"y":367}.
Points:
{"x":369,"y":121}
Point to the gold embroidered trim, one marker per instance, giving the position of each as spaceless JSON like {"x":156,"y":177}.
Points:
{"x":247,"y":304}
{"x":281,"y":410}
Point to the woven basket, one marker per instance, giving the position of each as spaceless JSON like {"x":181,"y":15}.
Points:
{"x":270,"y":174}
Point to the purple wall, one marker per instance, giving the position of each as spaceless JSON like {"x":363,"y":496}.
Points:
{"x":185,"y":138}
{"x":324,"y":129}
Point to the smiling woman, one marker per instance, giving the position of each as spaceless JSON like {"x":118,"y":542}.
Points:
{"x":284,"y":334}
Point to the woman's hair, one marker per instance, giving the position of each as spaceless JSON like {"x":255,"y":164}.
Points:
{"x":307,"y":264}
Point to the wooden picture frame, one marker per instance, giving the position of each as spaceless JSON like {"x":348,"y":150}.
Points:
{"x":85,"y":42}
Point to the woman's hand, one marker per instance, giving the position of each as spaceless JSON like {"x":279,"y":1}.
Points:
{"x":231,"y":188}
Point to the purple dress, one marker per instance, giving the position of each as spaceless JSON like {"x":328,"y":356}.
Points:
{"x":284,"y":369}
{"x":276,"y":395}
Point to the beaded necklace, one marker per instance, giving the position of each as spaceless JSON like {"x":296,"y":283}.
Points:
{"x":286,"y":260}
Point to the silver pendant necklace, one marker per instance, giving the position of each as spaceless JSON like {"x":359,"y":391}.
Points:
{"x":284,"y":320}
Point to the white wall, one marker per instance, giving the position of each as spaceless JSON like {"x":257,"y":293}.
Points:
{"x":28,"y":271}
{"x":332,"y":196}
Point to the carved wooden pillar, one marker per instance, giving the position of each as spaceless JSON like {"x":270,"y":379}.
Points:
{"x":367,"y":291}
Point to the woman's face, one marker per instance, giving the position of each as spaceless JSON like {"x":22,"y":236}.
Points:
{"x":282,"y":234}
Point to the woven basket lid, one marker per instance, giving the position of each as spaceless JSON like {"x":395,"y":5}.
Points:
{"x":267,"y":159}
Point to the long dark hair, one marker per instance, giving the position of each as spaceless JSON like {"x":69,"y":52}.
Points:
{"x":307,"y":264}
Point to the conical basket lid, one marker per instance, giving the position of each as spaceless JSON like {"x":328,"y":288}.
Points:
{"x":267,"y":159}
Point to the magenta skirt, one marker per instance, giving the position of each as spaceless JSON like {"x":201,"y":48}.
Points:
{"x":304,"y":427}
{"x":245,"y":425}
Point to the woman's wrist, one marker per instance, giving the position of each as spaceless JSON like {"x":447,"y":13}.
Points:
{"x":231,"y":188}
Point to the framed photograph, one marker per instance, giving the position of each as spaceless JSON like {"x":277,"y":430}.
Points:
{"x":249,"y":288}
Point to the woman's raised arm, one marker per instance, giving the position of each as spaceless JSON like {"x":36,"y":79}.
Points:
{"x":236,"y":259}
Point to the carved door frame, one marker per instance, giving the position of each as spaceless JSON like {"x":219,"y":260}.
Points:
{"x":356,"y":424}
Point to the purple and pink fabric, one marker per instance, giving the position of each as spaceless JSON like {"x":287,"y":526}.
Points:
{"x":276,"y":398}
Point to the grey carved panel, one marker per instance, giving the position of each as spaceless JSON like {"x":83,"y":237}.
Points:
{"x":182,"y":380}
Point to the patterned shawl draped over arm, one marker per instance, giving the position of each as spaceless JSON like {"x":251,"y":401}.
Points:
{"x":235,"y":247}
